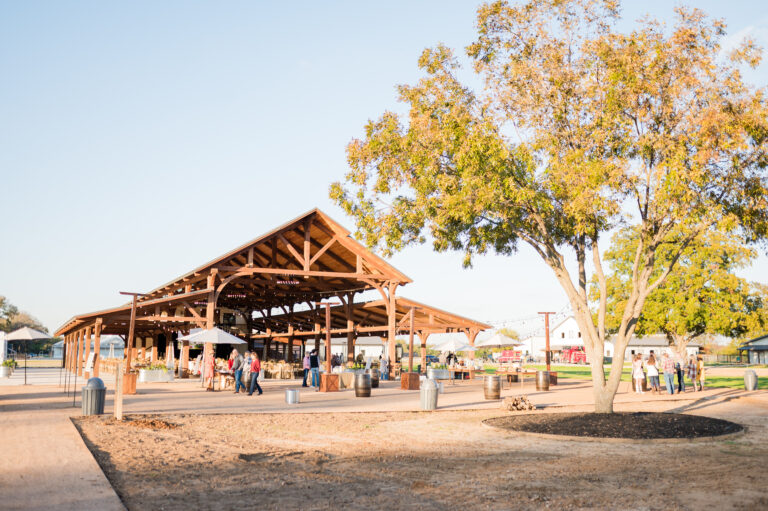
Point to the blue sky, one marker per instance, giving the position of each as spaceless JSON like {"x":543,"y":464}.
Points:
{"x":141,"y":139}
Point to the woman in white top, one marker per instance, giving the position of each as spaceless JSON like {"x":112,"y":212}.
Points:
{"x":653,"y":375}
{"x":637,"y":373}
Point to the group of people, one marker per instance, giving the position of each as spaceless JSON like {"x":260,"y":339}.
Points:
{"x":248,"y":364}
{"x":669,"y":366}
{"x":311,"y":365}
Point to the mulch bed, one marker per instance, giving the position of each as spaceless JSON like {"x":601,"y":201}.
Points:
{"x":142,"y":422}
{"x":635,"y":425}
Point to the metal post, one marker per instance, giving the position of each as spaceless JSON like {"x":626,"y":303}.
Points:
{"x":127,"y":354}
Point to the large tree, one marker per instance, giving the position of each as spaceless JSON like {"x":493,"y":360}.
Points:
{"x":703,"y":294}
{"x":578,"y":130}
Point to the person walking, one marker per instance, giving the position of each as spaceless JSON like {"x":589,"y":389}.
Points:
{"x":237,"y":368}
{"x":679,"y":363}
{"x":210,"y":366}
{"x":692,"y":368}
{"x":247,"y":359}
{"x":700,"y":371}
{"x":653,"y":375}
{"x":384,"y":365}
{"x":305,"y":365}
{"x":637,"y":373}
{"x":314,"y":368}
{"x":668,"y":367}
{"x":255,"y":370}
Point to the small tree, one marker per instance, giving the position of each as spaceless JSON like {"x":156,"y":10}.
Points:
{"x":580,"y":129}
{"x":702,"y":295}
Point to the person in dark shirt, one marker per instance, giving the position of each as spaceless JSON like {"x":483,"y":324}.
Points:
{"x":314,"y":368}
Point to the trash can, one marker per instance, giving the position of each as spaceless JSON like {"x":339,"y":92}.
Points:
{"x":428,"y":395}
{"x":292,"y":397}
{"x":750,"y":380}
{"x":93,"y":396}
{"x":440,"y":387}
{"x":542,"y":380}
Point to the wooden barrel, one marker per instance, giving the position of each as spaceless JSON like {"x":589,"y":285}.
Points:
{"x":374,"y":378}
{"x":362,"y":385}
{"x":542,"y":380}
{"x":492,"y":386}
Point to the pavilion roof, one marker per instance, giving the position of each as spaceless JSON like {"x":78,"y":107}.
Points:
{"x":304,"y":260}
{"x":368,"y":318}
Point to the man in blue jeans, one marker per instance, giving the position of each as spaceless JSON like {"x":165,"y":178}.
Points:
{"x":668,"y":366}
{"x":237,"y":368}
{"x":314,"y":368}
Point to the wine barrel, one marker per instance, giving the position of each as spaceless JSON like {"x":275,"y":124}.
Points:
{"x":374,"y":378}
{"x":542,"y":380}
{"x":492,"y":386}
{"x":362,"y":385}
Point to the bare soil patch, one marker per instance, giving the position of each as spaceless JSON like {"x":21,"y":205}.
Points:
{"x":412,"y":460}
{"x":630,"y":425}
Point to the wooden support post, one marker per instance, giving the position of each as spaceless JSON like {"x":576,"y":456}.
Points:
{"x":119,"y":392}
{"x":80,"y":340}
{"x":548,"y":352}
{"x":289,"y":347}
{"x":423,"y":336}
{"x":350,"y":328}
{"x":97,"y":348}
{"x":391,"y":328}
{"x":210,"y":319}
{"x":86,"y":355}
{"x":410,"y":380}
{"x":328,"y":382}
{"x":155,"y":341}
{"x":472,"y":336}
{"x":184,"y":359}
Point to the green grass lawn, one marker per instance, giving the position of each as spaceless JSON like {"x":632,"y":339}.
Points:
{"x":585,"y":373}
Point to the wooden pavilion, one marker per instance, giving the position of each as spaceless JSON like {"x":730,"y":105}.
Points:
{"x":267,"y":291}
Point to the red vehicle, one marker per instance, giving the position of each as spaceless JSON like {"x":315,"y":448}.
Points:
{"x":573,"y":355}
{"x":510,"y":356}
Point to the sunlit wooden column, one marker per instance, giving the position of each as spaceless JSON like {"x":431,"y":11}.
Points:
{"x":68,"y":352}
{"x":97,"y":348}
{"x":80,"y":336}
{"x":424,"y":336}
{"x":184,"y":358}
{"x":210,"y":316}
{"x":87,"y":352}
{"x":155,"y":341}
{"x":391,"y":328}
{"x":350,"y":329}
{"x":472,"y":336}
{"x":289,"y":345}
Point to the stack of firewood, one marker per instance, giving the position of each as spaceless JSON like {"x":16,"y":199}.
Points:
{"x":517,"y":403}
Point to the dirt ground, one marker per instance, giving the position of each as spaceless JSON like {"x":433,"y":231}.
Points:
{"x":439,"y":460}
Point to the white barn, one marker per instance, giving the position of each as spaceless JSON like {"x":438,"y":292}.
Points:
{"x":567,"y":333}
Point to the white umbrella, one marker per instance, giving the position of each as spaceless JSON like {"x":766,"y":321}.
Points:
{"x":25,"y":334}
{"x":454,"y":345}
{"x":212,"y":336}
{"x":169,"y":358}
{"x":497,"y":339}
{"x":435,"y":340}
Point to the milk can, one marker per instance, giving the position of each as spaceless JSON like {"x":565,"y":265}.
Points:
{"x":428,"y":394}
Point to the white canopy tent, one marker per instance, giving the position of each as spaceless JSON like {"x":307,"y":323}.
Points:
{"x":496,"y":339}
